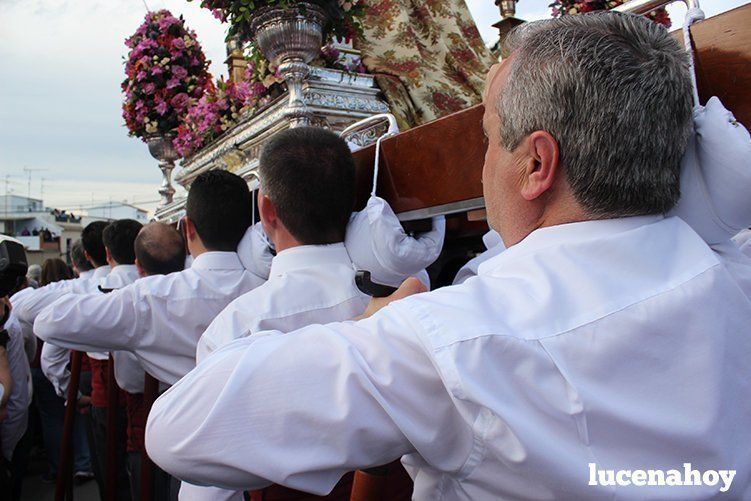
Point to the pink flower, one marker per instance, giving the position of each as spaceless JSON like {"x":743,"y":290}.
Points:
{"x":178,"y":43}
{"x":140,"y":75}
{"x":162,"y":107}
{"x":157,"y":70}
{"x":172,"y":83}
{"x":149,"y":88}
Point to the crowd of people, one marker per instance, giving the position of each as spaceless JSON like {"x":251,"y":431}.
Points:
{"x":596,"y":330}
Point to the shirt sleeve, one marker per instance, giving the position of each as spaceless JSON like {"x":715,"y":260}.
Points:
{"x":94,"y":322}
{"x":54,"y":363}
{"x":13,"y":426}
{"x":29,"y":303}
{"x":304,"y":408}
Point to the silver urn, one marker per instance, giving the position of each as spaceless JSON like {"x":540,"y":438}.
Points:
{"x":291,"y":38}
{"x":160,"y":147}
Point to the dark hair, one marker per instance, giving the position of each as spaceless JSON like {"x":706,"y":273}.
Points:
{"x":78,"y":258}
{"x":119,"y":237}
{"x":91,"y":237}
{"x":160,"y":249}
{"x":309,"y":175}
{"x":220,"y":207}
{"x":54,"y":270}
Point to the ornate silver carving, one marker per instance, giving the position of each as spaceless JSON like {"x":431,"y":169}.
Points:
{"x":290,"y":38}
{"x":508,"y":8}
{"x":341,"y":99}
{"x":160,"y":147}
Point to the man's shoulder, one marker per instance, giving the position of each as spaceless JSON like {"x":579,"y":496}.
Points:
{"x":534,"y":295}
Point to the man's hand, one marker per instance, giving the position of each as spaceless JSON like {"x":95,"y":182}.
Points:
{"x":409,"y":287}
{"x":84,"y":404}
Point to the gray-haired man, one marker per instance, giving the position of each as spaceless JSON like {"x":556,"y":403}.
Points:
{"x":605,"y":339}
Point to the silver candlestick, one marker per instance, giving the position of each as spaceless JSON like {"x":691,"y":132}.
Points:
{"x":291,"y":38}
{"x":160,"y":147}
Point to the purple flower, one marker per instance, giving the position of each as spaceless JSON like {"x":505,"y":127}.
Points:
{"x":157,"y":70}
{"x":172,"y":83}
{"x":140,"y":75}
{"x":179,"y":72}
{"x":149,"y":88}
{"x":178,"y":43}
{"x":180,"y":101}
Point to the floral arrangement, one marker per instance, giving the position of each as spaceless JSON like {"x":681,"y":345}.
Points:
{"x":570,"y":7}
{"x":344,"y":15}
{"x":223,"y":104}
{"x":166,"y":71}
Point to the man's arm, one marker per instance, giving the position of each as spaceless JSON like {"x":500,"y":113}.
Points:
{"x":29,"y":303}
{"x":54,"y":362}
{"x":94,"y":322}
{"x":302,"y":409}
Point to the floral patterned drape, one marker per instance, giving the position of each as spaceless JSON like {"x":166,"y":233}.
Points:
{"x":427,"y":55}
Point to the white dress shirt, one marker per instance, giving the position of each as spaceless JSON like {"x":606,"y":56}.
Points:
{"x":493,"y":245}
{"x":158,"y":318}
{"x":743,"y":240}
{"x":13,"y":426}
{"x":309,"y":284}
{"x":54,"y":359}
{"x":621,"y":342}
{"x":129,"y":374}
{"x":29,"y":305}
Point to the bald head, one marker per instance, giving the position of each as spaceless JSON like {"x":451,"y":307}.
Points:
{"x":160,"y":249}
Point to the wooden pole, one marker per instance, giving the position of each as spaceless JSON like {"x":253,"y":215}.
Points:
{"x":64,"y":481}
{"x":110,"y":485}
{"x":370,"y":484}
{"x":150,"y":392}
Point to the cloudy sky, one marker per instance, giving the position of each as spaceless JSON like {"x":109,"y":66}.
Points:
{"x":60,"y":72}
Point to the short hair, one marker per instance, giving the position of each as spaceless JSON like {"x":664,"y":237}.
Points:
{"x":220,"y":207}
{"x":91,"y":237}
{"x":78,"y":257}
{"x":34,"y":271}
{"x":309,"y":175}
{"x":119,"y":238}
{"x":614,"y":90}
{"x":54,"y":270}
{"x":160,"y":249}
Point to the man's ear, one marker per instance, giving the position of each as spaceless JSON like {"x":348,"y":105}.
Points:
{"x":88,"y":258}
{"x":190,"y":230}
{"x":141,"y":273}
{"x":541,"y":165}
{"x":267,"y":212}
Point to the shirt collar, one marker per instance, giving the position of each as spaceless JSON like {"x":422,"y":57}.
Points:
{"x":307,"y":256}
{"x":122,"y":270}
{"x":85,"y":275}
{"x":216,"y":260}
{"x":553,"y":236}
{"x":101,"y":272}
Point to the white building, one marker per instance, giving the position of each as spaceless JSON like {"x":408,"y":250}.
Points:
{"x":44,"y":233}
{"x":116,"y":210}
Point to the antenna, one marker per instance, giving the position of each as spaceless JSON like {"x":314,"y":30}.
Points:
{"x":147,"y":7}
{"x":29,"y":171}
